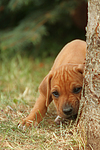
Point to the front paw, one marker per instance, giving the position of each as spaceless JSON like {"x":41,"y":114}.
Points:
{"x":27,"y":123}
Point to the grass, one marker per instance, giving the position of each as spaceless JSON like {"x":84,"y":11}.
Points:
{"x":19,"y":81}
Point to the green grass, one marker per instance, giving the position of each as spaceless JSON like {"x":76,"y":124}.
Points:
{"x":19,"y":81}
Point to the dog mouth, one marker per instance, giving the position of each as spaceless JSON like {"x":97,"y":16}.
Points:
{"x":65,"y":119}
{"x":67,"y":116}
{"x":73,"y":117}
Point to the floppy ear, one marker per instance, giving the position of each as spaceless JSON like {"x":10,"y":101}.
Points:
{"x":81,"y":68}
{"x":45,"y":88}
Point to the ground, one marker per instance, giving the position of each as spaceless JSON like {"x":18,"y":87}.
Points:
{"x":19,"y":81}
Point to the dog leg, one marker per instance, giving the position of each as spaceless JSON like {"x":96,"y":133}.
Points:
{"x":37,"y":113}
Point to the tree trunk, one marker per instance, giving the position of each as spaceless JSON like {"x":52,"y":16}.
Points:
{"x":90,"y":117}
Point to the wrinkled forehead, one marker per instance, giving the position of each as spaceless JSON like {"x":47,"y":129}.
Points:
{"x":66,"y":75}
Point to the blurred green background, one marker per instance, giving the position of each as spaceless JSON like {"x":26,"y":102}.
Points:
{"x":40,"y":28}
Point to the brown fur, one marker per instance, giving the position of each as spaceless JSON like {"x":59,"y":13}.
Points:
{"x":65,"y":75}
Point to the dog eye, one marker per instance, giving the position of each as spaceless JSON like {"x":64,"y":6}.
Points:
{"x":77,"y":90}
{"x":56,"y":94}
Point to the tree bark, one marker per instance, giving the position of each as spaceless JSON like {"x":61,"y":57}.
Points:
{"x":90,"y":104}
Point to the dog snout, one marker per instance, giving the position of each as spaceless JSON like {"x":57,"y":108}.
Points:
{"x":67,"y":110}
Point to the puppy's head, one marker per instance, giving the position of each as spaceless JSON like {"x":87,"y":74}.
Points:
{"x":64,"y":86}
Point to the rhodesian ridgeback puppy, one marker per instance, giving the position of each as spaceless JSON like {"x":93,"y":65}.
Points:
{"x":63,"y":84}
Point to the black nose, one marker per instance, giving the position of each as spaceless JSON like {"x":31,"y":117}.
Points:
{"x":67,"y":110}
